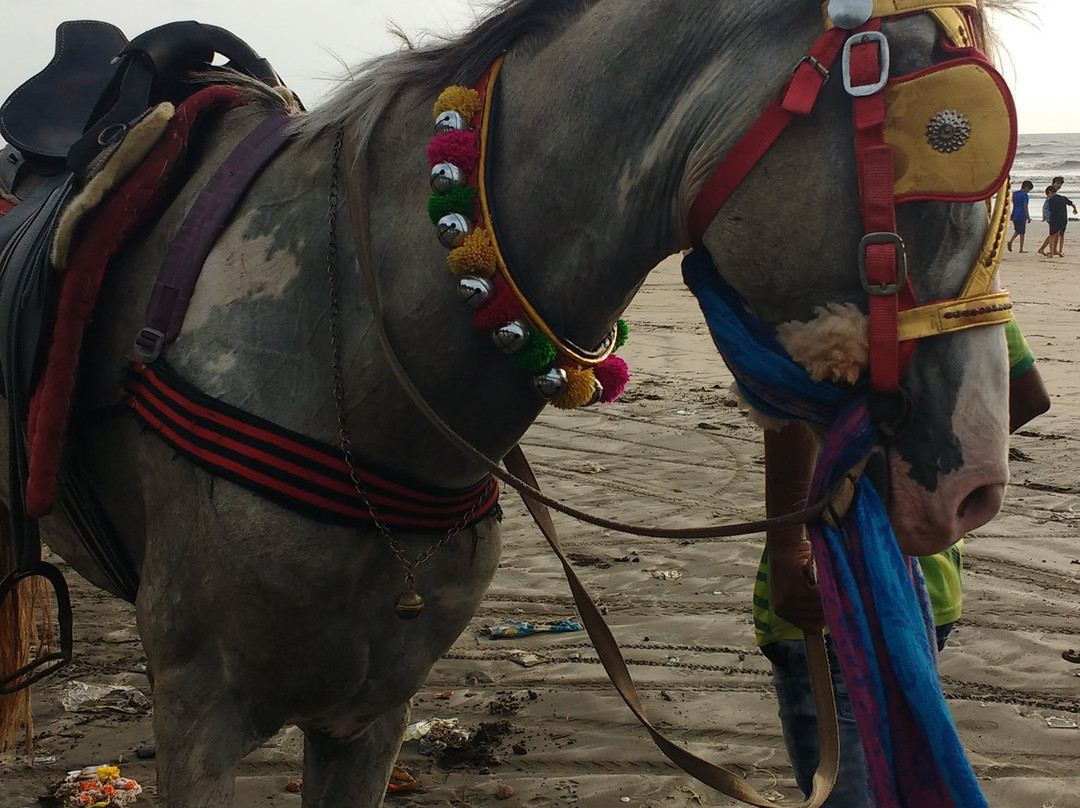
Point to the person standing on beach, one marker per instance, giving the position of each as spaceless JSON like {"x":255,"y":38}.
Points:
{"x":784,"y":587}
{"x":1055,"y":212}
{"x":1021,"y":216}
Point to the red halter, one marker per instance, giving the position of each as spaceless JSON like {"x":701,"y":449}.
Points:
{"x":864,"y":56}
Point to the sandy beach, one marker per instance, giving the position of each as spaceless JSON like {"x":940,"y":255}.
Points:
{"x":674,"y":451}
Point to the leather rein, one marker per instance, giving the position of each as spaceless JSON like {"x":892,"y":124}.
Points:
{"x":518,"y":474}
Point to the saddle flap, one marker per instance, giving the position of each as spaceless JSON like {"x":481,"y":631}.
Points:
{"x":49,"y":112}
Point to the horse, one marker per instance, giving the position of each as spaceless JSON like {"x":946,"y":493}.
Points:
{"x":611,"y":115}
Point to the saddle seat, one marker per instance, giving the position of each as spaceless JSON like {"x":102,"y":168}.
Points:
{"x":46,"y":115}
{"x":98,"y":83}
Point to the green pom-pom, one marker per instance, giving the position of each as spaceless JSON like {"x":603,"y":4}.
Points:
{"x":457,"y":200}
{"x":536,"y":354}
{"x":622,"y":331}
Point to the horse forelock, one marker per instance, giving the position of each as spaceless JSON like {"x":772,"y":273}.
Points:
{"x":366,"y":91}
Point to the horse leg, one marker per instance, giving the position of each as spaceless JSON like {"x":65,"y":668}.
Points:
{"x":352,"y":772}
{"x":201,"y":736}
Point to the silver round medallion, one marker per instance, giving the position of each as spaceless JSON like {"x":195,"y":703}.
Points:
{"x":450,"y":121}
{"x":474,"y":291}
{"x":948,"y":131}
{"x":450,"y":227}
{"x":850,"y":14}
{"x":550,"y":383}
{"x":445,"y":176}
{"x":511,"y":336}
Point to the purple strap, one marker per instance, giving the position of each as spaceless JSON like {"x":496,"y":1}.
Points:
{"x":187,"y":251}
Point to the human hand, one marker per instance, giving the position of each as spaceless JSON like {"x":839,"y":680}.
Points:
{"x":794,"y":593}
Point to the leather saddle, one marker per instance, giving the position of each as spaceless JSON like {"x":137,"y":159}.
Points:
{"x":98,"y":83}
{"x":60,"y":126}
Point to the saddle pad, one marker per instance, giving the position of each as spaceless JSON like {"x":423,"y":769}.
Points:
{"x":291,"y":469}
{"x":101,"y":234}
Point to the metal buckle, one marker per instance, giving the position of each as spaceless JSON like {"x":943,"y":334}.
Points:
{"x":148,"y":345}
{"x":845,"y":62}
{"x":883,"y":289}
{"x":814,"y":63}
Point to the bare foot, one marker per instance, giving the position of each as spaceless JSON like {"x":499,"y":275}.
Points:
{"x":1008,"y":244}
{"x":1020,"y":250}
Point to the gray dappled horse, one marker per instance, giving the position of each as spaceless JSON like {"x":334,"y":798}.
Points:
{"x":611,"y":115}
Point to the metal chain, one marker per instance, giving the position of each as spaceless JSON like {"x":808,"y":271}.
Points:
{"x":345,"y":437}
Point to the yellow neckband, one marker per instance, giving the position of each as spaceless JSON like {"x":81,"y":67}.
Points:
{"x":572,"y":352}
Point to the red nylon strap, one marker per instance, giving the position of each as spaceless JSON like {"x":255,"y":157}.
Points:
{"x":797,"y":98}
{"x":876,"y":184}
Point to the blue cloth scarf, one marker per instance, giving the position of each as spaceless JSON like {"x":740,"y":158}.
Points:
{"x":874,"y":599}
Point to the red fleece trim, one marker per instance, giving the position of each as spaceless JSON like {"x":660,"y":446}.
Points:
{"x":101,"y":235}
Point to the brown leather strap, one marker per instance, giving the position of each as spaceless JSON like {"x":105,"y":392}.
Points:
{"x":520,"y":476}
{"x":611,"y":658}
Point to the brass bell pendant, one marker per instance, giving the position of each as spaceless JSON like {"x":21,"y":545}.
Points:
{"x":409,"y":603}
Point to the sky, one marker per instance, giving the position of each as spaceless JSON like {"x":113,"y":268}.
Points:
{"x":311,"y":42}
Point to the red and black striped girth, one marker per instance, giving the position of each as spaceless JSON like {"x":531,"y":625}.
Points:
{"x":297,"y":472}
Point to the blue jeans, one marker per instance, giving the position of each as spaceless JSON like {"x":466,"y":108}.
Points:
{"x":791,"y":678}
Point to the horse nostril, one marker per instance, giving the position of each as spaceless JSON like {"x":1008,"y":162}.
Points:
{"x":980,"y":506}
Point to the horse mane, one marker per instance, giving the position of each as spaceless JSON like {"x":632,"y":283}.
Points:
{"x":985,"y":36}
{"x":365,"y":93}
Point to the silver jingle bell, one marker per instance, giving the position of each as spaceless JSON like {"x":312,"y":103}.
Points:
{"x":445,"y":176}
{"x":450,"y":121}
{"x":550,"y":383}
{"x":598,"y":391}
{"x":450,"y":227}
{"x":511,"y":336}
{"x":850,"y":14}
{"x":474,"y":291}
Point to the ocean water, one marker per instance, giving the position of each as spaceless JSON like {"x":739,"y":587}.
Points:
{"x":1040,"y":158}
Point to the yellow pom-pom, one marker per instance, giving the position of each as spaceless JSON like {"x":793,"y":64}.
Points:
{"x":475,"y":256}
{"x":579,"y":388}
{"x":460,"y":99}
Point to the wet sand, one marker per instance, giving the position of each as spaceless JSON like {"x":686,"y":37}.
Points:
{"x":676,"y":451}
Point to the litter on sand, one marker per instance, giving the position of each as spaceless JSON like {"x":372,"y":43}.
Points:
{"x":523,"y":628}
{"x":83,"y":697}
{"x":666,"y":575}
{"x":422,"y":728}
{"x":96,"y":786}
{"x":1060,"y":722}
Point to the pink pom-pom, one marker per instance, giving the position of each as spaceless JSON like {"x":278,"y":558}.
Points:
{"x":458,"y":147}
{"x":613,"y":374}
{"x":501,"y":307}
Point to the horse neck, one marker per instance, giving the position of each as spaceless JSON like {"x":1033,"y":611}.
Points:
{"x":604,"y":135}
{"x":599,"y":141}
